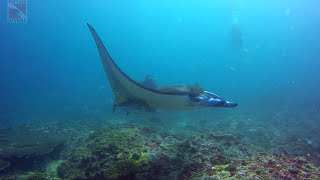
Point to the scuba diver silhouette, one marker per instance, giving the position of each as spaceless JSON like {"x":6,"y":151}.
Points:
{"x":236,"y":34}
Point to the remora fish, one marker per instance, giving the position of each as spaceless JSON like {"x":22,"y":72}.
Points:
{"x":175,"y":97}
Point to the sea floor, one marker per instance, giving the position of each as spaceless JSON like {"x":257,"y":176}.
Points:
{"x":169,"y":145}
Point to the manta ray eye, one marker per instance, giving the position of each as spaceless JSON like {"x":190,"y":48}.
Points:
{"x":195,"y":98}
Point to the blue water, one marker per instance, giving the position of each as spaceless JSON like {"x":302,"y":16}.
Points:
{"x":50,"y":67}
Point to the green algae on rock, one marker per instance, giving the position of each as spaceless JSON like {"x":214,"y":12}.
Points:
{"x":36,"y":176}
{"x":104,"y":148}
{"x":139,"y":158}
{"x":123,"y":169}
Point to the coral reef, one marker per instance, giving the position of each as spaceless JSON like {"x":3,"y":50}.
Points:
{"x":129,"y":151}
{"x":122,"y":169}
{"x":146,"y":150}
{"x":103,"y":149}
{"x":149,"y":148}
{"x":266,"y":166}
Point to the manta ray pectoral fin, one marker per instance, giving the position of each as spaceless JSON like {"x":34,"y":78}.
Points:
{"x":123,"y":87}
{"x":114,"y":74}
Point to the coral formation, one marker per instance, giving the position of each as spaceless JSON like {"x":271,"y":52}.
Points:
{"x":104,"y":148}
{"x":167,"y":153}
{"x":115,"y":153}
{"x":143,"y":150}
{"x":266,"y":166}
{"x":122,"y":169}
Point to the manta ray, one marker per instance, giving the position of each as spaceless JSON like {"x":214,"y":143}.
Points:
{"x":175,"y":97}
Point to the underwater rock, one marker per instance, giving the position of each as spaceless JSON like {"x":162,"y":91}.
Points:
{"x":27,"y":146}
{"x":147,"y":131}
{"x":123,"y":169}
{"x":51,"y":168}
{"x":4,"y":164}
{"x":26,"y":141}
{"x":219,"y":159}
{"x":232,"y":168}
{"x":36,"y":176}
{"x":190,"y":170}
